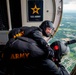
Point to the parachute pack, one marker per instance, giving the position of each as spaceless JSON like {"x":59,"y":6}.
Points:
{"x":22,"y":48}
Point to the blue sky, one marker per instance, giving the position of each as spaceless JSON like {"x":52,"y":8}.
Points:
{"x":69,"y":5}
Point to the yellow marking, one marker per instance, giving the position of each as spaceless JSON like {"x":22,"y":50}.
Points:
{"x":35,"y":10}
{"x":19,"y":34}
{"x":16,"y":56}
{"x":27,"y":54}
{"x":12,"y":56}
{"x":14,"y":36}
{"x":19,"y":55}
{"x":22,"y":55}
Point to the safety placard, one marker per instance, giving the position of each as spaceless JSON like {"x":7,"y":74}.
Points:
{"x":35,"y":10}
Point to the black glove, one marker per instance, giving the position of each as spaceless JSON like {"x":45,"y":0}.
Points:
{"x":50,"y":51}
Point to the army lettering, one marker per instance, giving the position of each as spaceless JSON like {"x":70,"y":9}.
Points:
{"x":17,"y":55}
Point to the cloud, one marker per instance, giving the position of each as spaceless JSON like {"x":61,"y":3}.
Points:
{"x":69,"y":6}
{"x":65,"y":1}
{"x":69,"y":1}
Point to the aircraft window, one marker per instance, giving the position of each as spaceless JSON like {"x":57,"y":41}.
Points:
{"x":3,"y":16}
{"x":67,"y":31}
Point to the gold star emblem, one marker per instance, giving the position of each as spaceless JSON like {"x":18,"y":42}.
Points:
{"x":35,"y":10}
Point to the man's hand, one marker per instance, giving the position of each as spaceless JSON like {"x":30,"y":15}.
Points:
{"x":50,"y":52}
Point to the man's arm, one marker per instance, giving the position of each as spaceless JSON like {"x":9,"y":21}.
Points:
{"x":63,"y":70}
{"x":37,"y":36}
{"x":52,"y":69}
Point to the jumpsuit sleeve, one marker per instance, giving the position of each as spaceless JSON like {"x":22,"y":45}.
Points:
{"x":52,"y":69}
{"x":63,"y":70}
{"x":37,"y":36}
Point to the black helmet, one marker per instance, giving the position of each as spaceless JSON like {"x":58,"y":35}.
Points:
{"x":60,"y":49}
{"x":44,"y":25}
